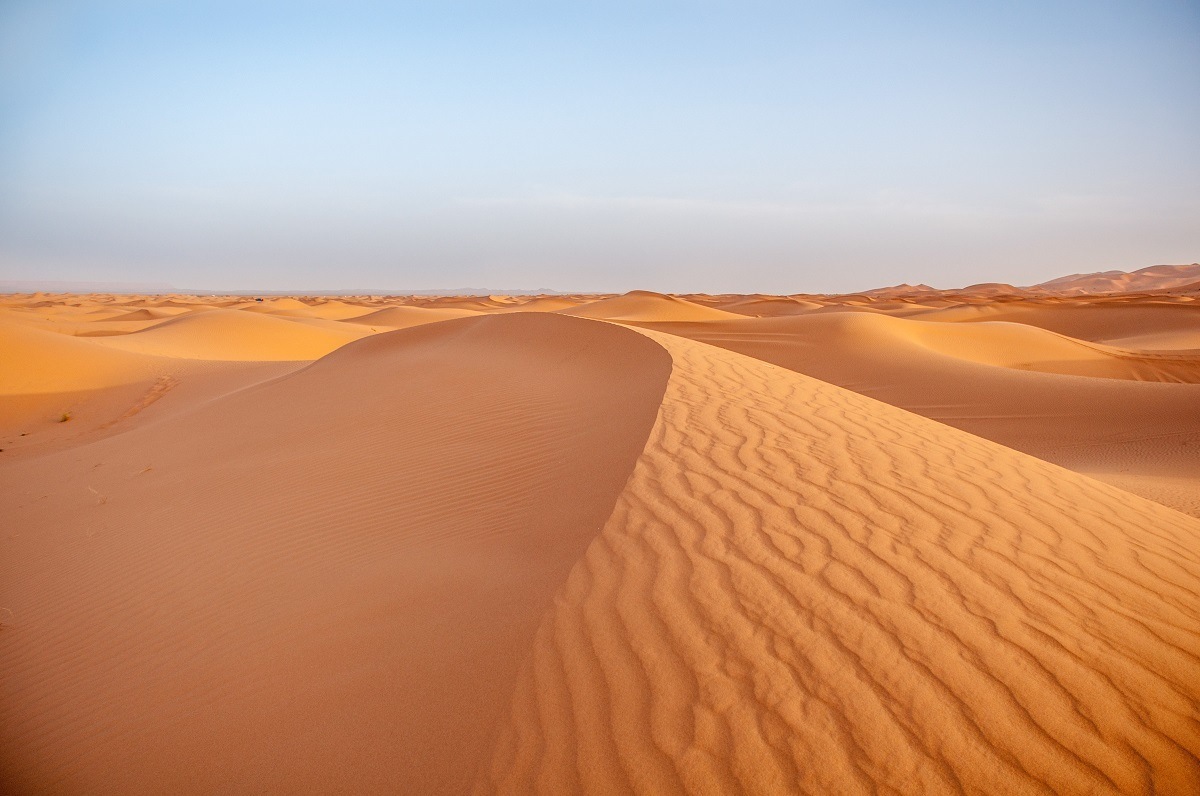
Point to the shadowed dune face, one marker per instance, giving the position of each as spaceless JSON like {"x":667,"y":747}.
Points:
{"x":803,"y":590}
{"x":325,"y":582}
{"x":508,"y":550}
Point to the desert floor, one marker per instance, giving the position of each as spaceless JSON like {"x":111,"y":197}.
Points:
{"x":929,"y":543}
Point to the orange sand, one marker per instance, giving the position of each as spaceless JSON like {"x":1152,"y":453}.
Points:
{"x":903,"y":541}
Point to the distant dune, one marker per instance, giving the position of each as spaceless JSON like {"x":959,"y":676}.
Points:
{"x":403,"y":317}
{"x":641,"y":305}
{"x":236,"y":335}
{"x":900,"y":541}
{"x":1156,"y":277}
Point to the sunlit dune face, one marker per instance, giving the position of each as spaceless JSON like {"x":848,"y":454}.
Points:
{"x":908,"y":540}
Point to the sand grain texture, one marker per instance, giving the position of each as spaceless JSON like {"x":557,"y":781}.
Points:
{"x":803,"y":590}
{"x":323,"y":583}
{"x":1134,"y":415}
{"x":675,"y":545}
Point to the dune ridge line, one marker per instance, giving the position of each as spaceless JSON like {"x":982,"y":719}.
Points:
{"x":804,"y":590}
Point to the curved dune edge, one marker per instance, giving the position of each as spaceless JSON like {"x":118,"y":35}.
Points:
{"x":323,"y":583}
{"x":1101,"y":427}
{"x":405,"y":317}
{"x":644,"y":305}
{"x":802,"y":589}
{"x":1008,"y":345}
{"x":237,"y":335}
{"x":34,"y":361}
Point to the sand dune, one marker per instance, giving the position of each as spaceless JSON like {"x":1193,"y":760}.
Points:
{"x":1155,"y":277}
{"x":327,"y":582}
{"x":1180,"y":340}
{"x":672,"y":545}
{"x":332,"y":309}
{"x":404,"y":317}
{"x":278,"y":306}
{"x":543,"y":304}
{"x":802,"y":590}
{"x":1010,"y":345}
{"x":766,"y":306}
{"x":1106,"y":427}
{"x":34,"y":361}
{"x":237,"y":335}
{"x":641,"y":305}
{"x":1000,"y":344}
{"x":1095,"y":322}
{"x":149,"y":314}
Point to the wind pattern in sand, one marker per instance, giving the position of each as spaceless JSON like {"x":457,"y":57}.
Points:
{"x":803,"y":590}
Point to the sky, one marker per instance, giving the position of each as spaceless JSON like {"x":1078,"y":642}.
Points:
{"x":745,"y":146}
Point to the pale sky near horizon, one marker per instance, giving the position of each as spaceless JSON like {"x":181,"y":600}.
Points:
{"x":596,"y":146}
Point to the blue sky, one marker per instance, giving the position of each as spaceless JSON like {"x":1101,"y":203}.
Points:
{"x":676,"y":146}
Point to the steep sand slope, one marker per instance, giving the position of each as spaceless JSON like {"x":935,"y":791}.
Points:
{"x":804,"y":590}
{"x":323,"y":583}
{"x":642,"y":305}
{"x":1106,"y":427}
{"x":239,"y":335}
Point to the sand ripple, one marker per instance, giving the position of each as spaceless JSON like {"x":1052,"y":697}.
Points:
{"x":801,"y":589}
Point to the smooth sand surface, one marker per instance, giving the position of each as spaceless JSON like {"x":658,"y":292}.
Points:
{"x":36,"y":361}
{"x":641,"y":305}
{"x":450,"y":544}
{"x":404,"y":317}
{"x":237,"y":335}
{"x":324,"y":582}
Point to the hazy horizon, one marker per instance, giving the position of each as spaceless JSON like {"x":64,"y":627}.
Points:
{"x":679,"y":147}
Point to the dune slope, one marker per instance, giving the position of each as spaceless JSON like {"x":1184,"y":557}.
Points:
{"x":404,"y":317}
{"x":804,"y":590}
{"x":1102,"y":322}
{"x":643,"y":305}
{"x":35,"y":361}
{"x":323,"y":583}
{"x":226,"y":334}
{"x":1106,"y":427}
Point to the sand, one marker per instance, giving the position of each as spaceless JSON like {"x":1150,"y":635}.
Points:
{"x":904,"y":541}
{"x":213,"y":601}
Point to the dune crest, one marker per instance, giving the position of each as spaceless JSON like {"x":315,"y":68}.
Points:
{"x":803,"y":590}
{"x":36,"y":361}
{"x":404,"y":317}
{"x":643,"y":305}
{"x":325,"y":582}
{"x":1109,"y":427}
{"x":238,"y":335}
